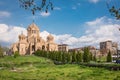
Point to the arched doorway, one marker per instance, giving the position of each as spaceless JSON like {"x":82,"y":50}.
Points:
{"x":33,"y":47}
{"x":43,"y":47}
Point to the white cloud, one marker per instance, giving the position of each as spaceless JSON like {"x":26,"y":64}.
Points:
{"x":44,"y":34}
{"x":98,"y":21}
{"x":100,"y":29}
{"x":103,"y":29}
{"x":4,"y":14}
{"x":44,"y":14}
{"x":9,"y":34}
{"x":74,"y":7}
{"x":57,"y":8}
{"x":94,"y":1}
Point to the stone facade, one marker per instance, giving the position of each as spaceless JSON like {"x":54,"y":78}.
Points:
{"x":32,"y":42}
{"x":63,"y":47}
{"x":107,"y":46}
{"x":92,"y":49}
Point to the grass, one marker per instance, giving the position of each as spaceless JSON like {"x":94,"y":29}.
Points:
{"x":37,"y":68}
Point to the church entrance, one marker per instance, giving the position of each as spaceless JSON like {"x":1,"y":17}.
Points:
{"x":33,"y":47}
{"x":43,"y":47}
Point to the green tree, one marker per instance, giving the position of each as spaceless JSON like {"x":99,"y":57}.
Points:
{"x":91,"y":56}
{"x":109,"y":57}
{"x":94,"y":58}
{"x":16,"y":54}
{"x":63,"y":57}
{"x":37,"y":53}
{"x":1,"y":51}
{"x":74,"y":57}
{"x":54,"y":55}
{"x":59,"y":56}
{"x":79,"y":57}
{"x":86,"y":55}
{"x":68,"y":57}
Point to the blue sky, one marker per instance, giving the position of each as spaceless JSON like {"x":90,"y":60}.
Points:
{"x":72,"y":14}
{"x":69,"y":19}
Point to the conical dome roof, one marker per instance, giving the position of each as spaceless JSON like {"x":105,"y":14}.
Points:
{"x":50,"y":37}
{"x":33,"y":26}
{"x":22,"y":35}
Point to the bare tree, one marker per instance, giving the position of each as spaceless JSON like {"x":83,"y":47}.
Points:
{"x":36,"y":5}
{"x":114,"y":8}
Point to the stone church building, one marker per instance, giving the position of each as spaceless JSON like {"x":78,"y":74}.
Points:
{"x":32,"y":42}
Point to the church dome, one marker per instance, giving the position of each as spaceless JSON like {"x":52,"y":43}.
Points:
{"x":50,"y":37}
{"x":33,"y":26}
{"x":22,"y":36}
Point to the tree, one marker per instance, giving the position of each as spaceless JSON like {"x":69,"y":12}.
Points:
{"x":1,"y":51}
{"x":86,"y":55}
{"x":59,"y":56}
{"x":68,"y":57}
{"x":44,"y":5}
{"x":109,"y":57}
{"x":94,"y":58}
{"x":79,"y":57}
{"x":63,"y":57}
{"x":74,"y":57}
{"x":114,"y":9}
{"x":90,"y":56}
{"x":16,"y":54}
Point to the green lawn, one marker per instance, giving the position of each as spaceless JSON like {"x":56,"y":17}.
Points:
{"x":37,"y":68}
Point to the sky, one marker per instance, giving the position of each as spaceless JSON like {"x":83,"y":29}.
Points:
{"x":77,"y":23}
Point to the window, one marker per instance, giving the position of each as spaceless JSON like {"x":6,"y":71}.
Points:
{"x":34,"y":31}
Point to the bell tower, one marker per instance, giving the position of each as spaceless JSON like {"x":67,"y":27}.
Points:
{"x":33,"y":30}
{"x":22,"y":44}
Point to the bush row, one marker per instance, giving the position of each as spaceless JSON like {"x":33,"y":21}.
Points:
{"x":60,"y":57}
{"x":114,"y":67}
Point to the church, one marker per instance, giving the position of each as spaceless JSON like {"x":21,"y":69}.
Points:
{"x":33,"y":42}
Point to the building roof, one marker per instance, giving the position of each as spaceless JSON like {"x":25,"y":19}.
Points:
{"x":33,"y":26}
{"x":50,"y":37}
{"x":22,"y":35}
{"x":63,"y":45}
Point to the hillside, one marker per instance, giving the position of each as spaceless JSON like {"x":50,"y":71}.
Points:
{"x":37,"y":68}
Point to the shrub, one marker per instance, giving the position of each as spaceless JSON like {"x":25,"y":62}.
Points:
{"x":16,"y":54}
{"x":59,"y":56}
{"x":94,"y":58}
{"x":91,"y":56}
{"x":86,"y":55}
{"x":74,"y":57}
{"x":1,"y":51}
{"x":79,"y":57}
{"x":68,"y":57}
{"x":109,"y":57}
{"x":63,"y":57}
